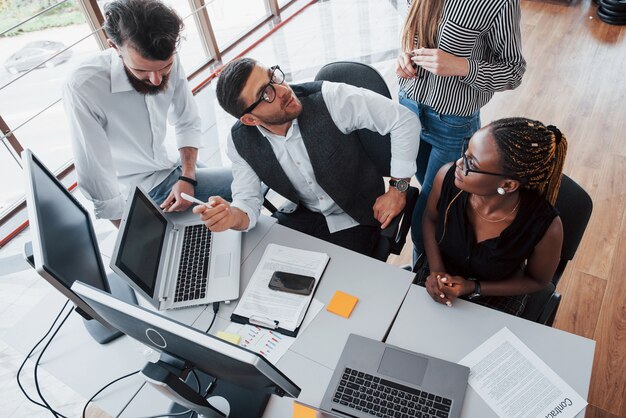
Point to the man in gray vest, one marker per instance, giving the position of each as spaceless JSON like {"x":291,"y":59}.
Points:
{"x":301,"y":141}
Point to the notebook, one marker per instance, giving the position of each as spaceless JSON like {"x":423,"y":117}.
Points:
{"x":375,"y":379}
{"x":175,"y":264}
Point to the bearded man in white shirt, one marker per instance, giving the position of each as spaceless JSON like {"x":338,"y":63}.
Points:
{"x":119,"y":102}
{"x":301,"y":141}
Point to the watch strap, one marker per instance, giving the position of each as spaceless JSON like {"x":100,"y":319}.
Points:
{"x":476,"y":293}
{"x":189,"y":180}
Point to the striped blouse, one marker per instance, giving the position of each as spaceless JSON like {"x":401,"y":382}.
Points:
{"x":487,"y":33}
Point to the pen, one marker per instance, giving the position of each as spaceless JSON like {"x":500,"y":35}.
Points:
{"x":194,"y":200}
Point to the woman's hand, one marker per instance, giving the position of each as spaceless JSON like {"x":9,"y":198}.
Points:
{"x":404,"y":66}
{"x":434,"y":287}
{"x":454,"y":286}
{"x":439,"y":62}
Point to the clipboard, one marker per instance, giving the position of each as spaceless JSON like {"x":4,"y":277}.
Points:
{"x":267,"y":323}
{"x":262,"y":320}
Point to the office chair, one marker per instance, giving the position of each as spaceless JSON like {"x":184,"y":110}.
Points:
{"x":574,"y":206}
{"x":377,"y":148}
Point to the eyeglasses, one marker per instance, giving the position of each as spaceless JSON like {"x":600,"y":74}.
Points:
{"x":466,"y":169}
{"x":269,"y":92}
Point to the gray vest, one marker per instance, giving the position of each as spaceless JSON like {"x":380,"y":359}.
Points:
{"x":339,"y":162}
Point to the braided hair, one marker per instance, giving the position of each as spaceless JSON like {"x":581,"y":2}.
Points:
{"x":532,"y":152}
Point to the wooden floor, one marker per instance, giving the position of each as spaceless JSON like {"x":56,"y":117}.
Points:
{"x":576,"y":80}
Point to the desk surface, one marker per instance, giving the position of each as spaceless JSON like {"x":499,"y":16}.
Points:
{"x":430,"y":328}
{"x":382,"y":290}
{"x":310,"y":361}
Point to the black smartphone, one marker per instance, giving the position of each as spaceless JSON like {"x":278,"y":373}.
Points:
{"x":292,"y":283}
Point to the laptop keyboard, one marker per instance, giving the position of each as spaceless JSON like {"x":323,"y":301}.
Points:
{"x":383,"y":398}
{"x":194,"y":264}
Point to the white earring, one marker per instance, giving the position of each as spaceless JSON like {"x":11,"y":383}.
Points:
{"x":500,"y":191}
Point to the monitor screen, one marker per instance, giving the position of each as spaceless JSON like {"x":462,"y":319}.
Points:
{"x":142,"y":243}
{"x":209,"y":354}
{"x":65,"y":247}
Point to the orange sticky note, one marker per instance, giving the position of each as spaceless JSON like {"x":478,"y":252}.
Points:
{"x":301,"y":411}
{"x":342,"y":304}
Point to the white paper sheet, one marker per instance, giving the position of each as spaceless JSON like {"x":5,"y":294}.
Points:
{"x":516,"y":383}
{"x":261,"y":304}
{"x":270,"y":344}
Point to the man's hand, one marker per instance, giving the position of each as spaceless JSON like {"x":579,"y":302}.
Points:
{"x":404,"y":66}
{"x":388,"y":206}
{"x":221,"y":216}
{"x":440,"y":62}
{"x":174,"y":202}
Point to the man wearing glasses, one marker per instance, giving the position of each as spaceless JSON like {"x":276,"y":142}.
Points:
{"x":300,"y":140}
{"x":119,"y":103}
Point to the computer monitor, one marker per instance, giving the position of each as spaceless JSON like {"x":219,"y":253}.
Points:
{"x":64,"y":245}
{"x":220,"y":359}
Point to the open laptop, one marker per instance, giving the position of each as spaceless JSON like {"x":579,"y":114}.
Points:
{"x":375,"y":379}
{"x":175,"y":264}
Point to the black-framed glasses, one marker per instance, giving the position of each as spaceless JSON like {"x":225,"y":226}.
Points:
{"x":465,"y":169}
{"x":269,"y":92}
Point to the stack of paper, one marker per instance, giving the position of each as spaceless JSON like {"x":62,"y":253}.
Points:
{"x":260,"y":305}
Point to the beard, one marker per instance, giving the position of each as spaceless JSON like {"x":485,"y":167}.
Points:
{"x":286,"y":116}
{"x":145,"y":87}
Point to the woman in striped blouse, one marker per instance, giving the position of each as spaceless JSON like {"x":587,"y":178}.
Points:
{"x":455,"y":55}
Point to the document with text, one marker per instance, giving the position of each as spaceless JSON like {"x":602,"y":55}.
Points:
{"x":270,"y":344}
{"x":260,"y":305}
{"x":516,"y":383}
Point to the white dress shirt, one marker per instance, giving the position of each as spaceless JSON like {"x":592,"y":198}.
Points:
{"x":118,"y":134}
{"x":351,"y":108}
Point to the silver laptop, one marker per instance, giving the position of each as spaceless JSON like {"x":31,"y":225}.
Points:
{"x":174,"y":261}
{"x":375,"y":379}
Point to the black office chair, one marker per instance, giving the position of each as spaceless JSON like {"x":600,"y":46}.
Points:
{"x":377,"y":148}
{"x":574,"y":206}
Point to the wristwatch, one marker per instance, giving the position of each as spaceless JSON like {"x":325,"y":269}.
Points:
{"x":402,"y":185}
{"x":476,"y":293}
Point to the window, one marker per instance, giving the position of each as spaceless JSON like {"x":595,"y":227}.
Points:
{"x":232,"y":18}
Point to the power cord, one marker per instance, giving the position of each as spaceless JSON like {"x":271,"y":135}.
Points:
{"x":104,"y":387}
{"x":55,"y":413}
{"x":216,"y":308}
{"x":45,"y":404}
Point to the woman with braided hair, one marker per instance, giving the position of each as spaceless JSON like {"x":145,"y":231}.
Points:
{"x":491,"y":232}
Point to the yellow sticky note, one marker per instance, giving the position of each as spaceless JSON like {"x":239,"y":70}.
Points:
{"x":301,"y":411}
{"x":342,"y":304}
{"x":227,"y":336}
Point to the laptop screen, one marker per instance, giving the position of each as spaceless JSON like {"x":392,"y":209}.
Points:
{"x":142,"y":243}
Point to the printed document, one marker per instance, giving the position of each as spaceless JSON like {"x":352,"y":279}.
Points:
{"x":516,"y":383}
{"x":270,"y":344}
{"x":266,"y":307}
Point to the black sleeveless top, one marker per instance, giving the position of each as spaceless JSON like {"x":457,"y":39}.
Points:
{"x":495,"y":258}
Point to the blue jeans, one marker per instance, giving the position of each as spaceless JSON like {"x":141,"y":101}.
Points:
{"x":441,"y":140}
{"x":211,"y":182}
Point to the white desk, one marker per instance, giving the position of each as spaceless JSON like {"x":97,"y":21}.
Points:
{"x":311,"y":360}
{"x":430,"y":328}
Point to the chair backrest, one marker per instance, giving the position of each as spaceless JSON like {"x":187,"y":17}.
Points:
{"x":574,"y":206}
{"x":362,"y":75}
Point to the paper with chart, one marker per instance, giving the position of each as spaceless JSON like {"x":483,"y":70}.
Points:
{"x":265,"y":306}
{"x":516,"y":383}
{"x":271,"y":345}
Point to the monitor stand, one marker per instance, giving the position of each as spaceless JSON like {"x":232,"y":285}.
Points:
{"x":223,"y":399}
{"x":119,"y":289}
